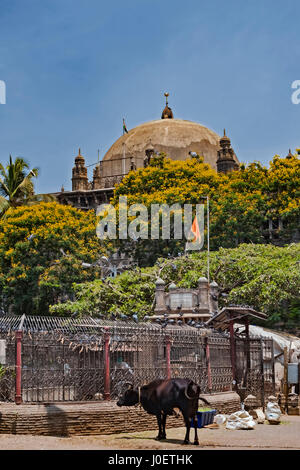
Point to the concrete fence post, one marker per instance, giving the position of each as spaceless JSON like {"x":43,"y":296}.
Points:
{"x":168,"y":356}
{"x":207,"y":352}
{"x":18,"y":365}
{"x":106,"y":394}
{"x":233,"y":353}
{"x":18,"y":391}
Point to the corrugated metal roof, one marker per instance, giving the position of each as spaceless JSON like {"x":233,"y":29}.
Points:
{"x":221,"y":320}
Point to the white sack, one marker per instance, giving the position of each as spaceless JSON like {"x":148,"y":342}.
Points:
{"x":240,"y":420}
{"x":273,"y":412}
{"x":220,"y":419}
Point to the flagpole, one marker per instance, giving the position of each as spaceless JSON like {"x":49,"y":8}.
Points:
{"x":123,"y":158}
{"x":208,"y":275}
{"x":123,"y":162}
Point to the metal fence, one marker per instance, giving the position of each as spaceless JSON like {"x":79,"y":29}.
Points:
{"x":255,"y":373}
{"x":88,"y":359}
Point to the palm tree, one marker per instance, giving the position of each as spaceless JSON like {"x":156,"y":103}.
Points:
{"x":16,"y":186}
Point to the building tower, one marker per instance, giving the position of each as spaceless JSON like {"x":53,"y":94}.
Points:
{"x":79,"y":174}
{"x":97,"y":177}
{"x":227,"y":160}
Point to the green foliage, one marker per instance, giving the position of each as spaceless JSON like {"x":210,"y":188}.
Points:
{"x":130,"y":293}
{"x":16,"y":186}
{"x":264,"y":276}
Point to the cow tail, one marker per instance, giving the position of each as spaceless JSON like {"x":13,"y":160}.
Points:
{"x":205,"y":401}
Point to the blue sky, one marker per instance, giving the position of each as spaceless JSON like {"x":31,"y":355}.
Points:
{"x":73,"y":69}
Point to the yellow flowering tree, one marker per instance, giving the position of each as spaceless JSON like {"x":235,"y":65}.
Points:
{"x":253,"y":205}
{"x":42,"y":251}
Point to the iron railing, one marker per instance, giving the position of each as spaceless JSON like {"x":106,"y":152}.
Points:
{"x":79,"y":359}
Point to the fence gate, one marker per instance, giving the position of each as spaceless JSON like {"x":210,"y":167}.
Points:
{"x":269,"y":366}
{"x":255,"y":373}
{"x":220,"y":363}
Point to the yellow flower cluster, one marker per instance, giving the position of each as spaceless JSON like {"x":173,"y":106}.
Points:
{"x":245,"y":198}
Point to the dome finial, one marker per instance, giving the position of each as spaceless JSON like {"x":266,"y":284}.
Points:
{"x":167,"y":112}
{"x":224,"y":140}
{"x":79,"y":157}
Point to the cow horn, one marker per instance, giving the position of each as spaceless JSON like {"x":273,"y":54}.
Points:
{"x":130,"y":385}
{"x":186,"y":394}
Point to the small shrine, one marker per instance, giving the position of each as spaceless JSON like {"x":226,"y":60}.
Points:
{"x":185,"y":305}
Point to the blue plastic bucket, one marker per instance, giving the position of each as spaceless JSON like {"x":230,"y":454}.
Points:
{"x":204,"y":418}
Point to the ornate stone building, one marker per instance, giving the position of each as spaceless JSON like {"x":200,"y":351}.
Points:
{"x":177,"y":138}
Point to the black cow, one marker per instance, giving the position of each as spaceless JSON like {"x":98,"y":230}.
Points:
{"x":160,"y":397}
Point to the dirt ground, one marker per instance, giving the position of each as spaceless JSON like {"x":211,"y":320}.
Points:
{"x":284,"y":436}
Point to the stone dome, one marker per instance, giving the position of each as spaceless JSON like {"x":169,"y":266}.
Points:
{"x":175,"y":137}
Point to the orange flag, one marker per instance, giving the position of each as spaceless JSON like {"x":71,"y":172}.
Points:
{"x":196,"y":231}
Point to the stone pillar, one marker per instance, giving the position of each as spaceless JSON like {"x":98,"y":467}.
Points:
{"x":203,"y":292}
{"x":214,"y":290}
{"x":160,"y":302}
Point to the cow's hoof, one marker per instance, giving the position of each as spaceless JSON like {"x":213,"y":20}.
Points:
{"x":186,"y":443}
{"x":158,"y":438}
{"x":196,"y":443}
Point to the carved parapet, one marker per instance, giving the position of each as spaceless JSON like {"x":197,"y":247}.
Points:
{"x":180,"y":303}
